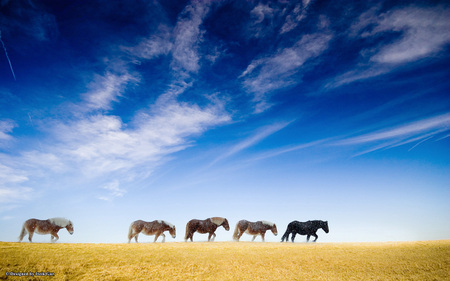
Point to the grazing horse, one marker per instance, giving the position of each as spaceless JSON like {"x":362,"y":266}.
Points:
{"x":308,"y":228}
{"x":150,"y":228}
{"x":50,"y":226}
{"x":254,"y":228}
{"x":205,"y":226}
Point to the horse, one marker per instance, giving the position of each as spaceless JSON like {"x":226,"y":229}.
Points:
{"x":308,"y":228}
{"x":254,"y":228}
{"x":50,"y":226}
{"x":156,"y":228}
{"x":205,"y":226}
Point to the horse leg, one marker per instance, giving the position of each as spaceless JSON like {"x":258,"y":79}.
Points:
{"x":136,"y":237}
{"x":307,"y":238}
{"x":54,"y":235}
{"x":293,"y":237}
{"x":262,"y":236}
{"x":190,"y":235}
{"x":213,"y":235}
{"x":160,"y":234}
{"x":315,"y":235}
{"x":254,"y":237}
{"x":30,"y":235}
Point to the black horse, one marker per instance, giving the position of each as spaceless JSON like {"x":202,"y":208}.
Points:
{"x":308,"y":228}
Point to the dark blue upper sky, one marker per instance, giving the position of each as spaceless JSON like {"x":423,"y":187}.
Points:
{"x":275,"y":110}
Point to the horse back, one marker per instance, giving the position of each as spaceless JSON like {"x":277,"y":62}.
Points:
{"x":302,"y":228}
{"x":243,"y":225}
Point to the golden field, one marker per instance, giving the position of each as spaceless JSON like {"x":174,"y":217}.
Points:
{"x":428,"y":260}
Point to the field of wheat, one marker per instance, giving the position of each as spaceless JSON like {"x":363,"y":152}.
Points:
{"x":428,"y":260}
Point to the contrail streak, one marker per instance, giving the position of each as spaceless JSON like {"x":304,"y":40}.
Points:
{"x":6,"y":53}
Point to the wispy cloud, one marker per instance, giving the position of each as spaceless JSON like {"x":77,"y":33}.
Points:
{"x":421,"y":130}
{"x":157,"y":44}
{"x":113,"y":191}
{"x":11,"y":189}
{"x":261,"y":20}
{"x":106,"y":89}
{"x":188,"y":35}
{"x":6,"y":127}
{"x":283,"y":150}
{"x":7,"y":57}
{"x":102,"y":148}
{"x":294,"y":18}
{"x":182,"y":42}
{"x":275,"y":71}
{"x":253,"y":140}
{"x":16,"y":194}
{"x":424,"y":32}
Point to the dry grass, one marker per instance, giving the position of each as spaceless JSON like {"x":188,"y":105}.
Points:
{"x":229,"y":261}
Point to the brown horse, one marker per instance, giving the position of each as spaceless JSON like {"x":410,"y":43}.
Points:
{"x":50,"y":226}
{"x":254,"y":228}
{"x":205,"y":226}
{"x":151,"y":228}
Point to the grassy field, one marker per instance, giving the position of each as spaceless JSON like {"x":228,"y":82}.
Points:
{"x":228,"y":261}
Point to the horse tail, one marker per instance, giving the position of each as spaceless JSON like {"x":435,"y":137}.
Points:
{"x":236,"y":232}
{"x":286,"y":235}
{"x":187,"y":232}
{"x":23,"y":232}
{"x":130,"y":233}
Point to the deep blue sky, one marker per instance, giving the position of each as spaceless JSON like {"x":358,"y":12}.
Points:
{"x":260,"y":110}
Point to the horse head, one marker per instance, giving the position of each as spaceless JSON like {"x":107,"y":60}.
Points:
{"x":225,"y":224}
{"x":173,"y":232}
{"x":69,"y":227}
{"x":325,"y":226}
{"x":219,"y":221}
{"x":274,"y":229}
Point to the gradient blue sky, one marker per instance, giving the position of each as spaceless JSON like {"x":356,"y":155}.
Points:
{"x":113,"y":111}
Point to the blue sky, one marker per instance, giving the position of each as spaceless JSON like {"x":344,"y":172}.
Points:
{"x":260,"y":110}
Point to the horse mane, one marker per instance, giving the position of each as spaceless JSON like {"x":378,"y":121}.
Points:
{"x":62,"y":222}
{"x":271,"y":224}
{"x":168,"y":223}
{"x":217,"y":220}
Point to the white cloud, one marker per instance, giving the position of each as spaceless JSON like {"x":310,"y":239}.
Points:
{"x":424,"y":32}
{"x":158,"y":44}
{"x":280,"y":151}
{"x":11,"y":190}
{"x":260,"y":12}
{"x":114,"y":191}
{"x":188,"y":35}
{"x":261,"y":21}
{"x":106,"y":89}
{"x":96,"y":146}
{"x":295,"y":17}
{"x":420,"y":130}
{"x":10,"y":176}
{"x":181,"y":41}
{"x":11,"y":195}
{"x":275,"y":71}
{"x":253,"y":140}
{"x":6,"y":127}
